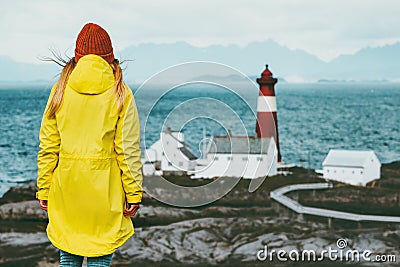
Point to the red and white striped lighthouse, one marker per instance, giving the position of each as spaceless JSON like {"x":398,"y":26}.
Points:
{"x":267,"y":121}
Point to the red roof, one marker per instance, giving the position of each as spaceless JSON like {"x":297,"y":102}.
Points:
{"x":266,"y":77}
{"x":266,"y":72}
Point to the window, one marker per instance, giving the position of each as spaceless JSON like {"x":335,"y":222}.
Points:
{"x":169,"y":163}
{"x":216,"y":158}
{"x":327,"y":170}
{"x":353,"y":172}
{"x":259,"y":159}
{"x":229,"y":158}
{"x":245,"y":158}
{"x":180,"y":163}
{"x":361,"y":172}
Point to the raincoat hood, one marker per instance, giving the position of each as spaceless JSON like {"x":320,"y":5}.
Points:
{"x":92,"y":75}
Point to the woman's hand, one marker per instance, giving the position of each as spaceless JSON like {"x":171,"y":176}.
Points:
{"x":131,"y":209}
{"x":43,"y":204}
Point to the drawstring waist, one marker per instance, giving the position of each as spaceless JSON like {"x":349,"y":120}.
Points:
{"x":84,"y":157}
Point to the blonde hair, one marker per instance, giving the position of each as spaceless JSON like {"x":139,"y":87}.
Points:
{"x":68,"y":67}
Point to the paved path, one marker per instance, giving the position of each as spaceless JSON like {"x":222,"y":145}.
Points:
{"x":279,"y":196}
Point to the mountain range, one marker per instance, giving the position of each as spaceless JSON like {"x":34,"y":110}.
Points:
{"x":144,"y":60}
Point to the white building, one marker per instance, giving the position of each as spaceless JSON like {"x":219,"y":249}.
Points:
{"x":354,"y":167}
{"x":168,"y":154}
{"x":238,"y":156}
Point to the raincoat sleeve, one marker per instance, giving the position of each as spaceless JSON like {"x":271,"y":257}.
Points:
{"x":127,"y":147}
{"x":49,"y":148}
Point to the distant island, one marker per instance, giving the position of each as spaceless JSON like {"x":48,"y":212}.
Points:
{"x":368,"y":64}
{"x":352,"y":81}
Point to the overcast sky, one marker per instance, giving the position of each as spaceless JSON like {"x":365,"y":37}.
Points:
{"x":323,"y":28}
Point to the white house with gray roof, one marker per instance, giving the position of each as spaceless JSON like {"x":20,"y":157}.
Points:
{"x":356,"y":167}
{"x":238,"y":156}
{"x":170,"y":154}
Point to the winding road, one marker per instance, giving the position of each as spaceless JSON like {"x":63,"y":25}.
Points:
{"x":279,"y":196}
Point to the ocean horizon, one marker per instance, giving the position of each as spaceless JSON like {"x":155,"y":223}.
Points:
{"x":312,"y":118}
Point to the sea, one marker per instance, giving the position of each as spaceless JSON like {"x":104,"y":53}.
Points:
{"x":312,"y":119}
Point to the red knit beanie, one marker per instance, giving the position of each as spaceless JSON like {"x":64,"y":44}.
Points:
{"x":93,"y":39}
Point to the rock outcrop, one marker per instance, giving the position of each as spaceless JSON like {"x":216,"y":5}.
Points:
{"x":229,"y":232}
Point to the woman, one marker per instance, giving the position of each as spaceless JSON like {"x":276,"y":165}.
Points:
{"x":89,"y":168}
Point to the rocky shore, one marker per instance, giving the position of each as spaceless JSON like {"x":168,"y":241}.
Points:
{"x":228,"y":232}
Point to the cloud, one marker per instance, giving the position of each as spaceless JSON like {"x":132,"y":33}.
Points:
{"x":326,"y":29}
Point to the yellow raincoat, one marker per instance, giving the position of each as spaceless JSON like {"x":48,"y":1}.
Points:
{"x":89,"y":163}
